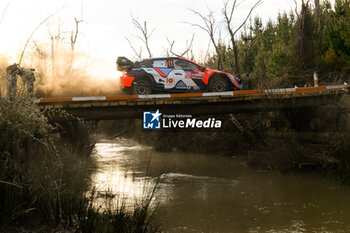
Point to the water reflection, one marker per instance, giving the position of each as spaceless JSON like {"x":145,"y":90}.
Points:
{"x":115,"y":171}
{"x":207,"y":193}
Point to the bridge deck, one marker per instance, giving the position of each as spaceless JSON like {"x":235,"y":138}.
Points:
{"x":111,"y":107}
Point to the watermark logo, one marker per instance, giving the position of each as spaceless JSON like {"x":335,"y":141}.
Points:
{"x":157,"y":120}
{"x":152,"y":120}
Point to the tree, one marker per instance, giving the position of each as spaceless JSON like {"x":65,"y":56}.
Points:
{"x":280,"y":58}
{"x":209,"y":26}
{"x":318,"y":14}
{"x":228,"y":14}
{"x":188,"y":47}
{"x":55,"y":39}
{"x":145,"y":36}
{"x":338,"y":35}
{"x":305,"y":37}
{"x":74,"y":34}
{"x":138,"y":54}
{"x":33,"y":32}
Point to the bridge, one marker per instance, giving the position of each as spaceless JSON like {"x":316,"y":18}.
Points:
{"x":196,"y":104}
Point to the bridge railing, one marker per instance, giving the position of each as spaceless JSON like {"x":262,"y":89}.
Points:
{"x":321,"y":90}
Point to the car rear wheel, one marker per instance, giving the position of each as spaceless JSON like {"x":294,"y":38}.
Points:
{"x":218,"y":84}
{"x":141,"y":87}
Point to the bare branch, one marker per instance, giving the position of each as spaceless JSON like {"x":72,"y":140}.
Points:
{"x":188,"y":47}
{"x":165,"y":52}
{"x":209,"y":27}
{"x":199,"y":26}
{"x":4,"y":12}
{"x":171,"y":46}
{"x":41,"y":52}
{"x":250,"y":12}
{"x":228,"y":18}
{"x":145,"y":35}
{"x":139,"y":55}
{"x":209,"y":22}
{"x":74,"y":36}
{"x":151,"y":32}
{"x":140,"y":38}
{"x":31,"y":35}
{"x":296,"y":8}
{"x":207,"y":53}
{"x":11,"y":184}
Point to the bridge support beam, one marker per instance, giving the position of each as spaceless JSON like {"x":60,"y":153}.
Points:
{"x":194,"y":108}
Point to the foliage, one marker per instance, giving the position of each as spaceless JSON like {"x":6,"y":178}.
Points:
{"x":44,"y":179}
{"x":20,"y":119}
{"x":285,"y":52}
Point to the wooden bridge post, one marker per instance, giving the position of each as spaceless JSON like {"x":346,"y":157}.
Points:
{"x":28,"y":78}
{"x":315,"y":79}
{"x":11,"y":81}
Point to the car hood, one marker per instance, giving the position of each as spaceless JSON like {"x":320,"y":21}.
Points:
{"x":221,"y":72}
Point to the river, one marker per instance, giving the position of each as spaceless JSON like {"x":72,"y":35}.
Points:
{"x":209,"y":193}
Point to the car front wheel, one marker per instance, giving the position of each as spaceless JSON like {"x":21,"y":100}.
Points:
{"x":218,"y":84}
{"x":141,"y":87}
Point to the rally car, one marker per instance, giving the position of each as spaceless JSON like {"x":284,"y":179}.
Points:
{"x":172,"y":74}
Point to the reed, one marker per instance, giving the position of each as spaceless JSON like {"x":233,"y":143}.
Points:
{"x":44,"y":179}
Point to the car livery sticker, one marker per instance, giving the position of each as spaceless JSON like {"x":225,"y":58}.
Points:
{"x":165,"y":71}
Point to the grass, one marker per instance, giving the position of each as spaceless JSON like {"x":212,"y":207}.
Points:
{"x":341,"y":151}
{"x":44,"y":180}
{"x":118,"y":217}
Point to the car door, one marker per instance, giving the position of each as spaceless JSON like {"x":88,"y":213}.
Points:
{"x":174,"y":75}
{"x":162,"y":72}
{"x":197,"y":75}
{"x":183,"y":75}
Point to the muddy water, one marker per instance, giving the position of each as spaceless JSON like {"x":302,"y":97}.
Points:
{"x":207,"y":193}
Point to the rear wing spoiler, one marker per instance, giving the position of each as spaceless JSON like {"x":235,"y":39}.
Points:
{"x":123,"y":64}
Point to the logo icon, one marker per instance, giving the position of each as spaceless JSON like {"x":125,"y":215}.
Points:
{"x":151,"y":120}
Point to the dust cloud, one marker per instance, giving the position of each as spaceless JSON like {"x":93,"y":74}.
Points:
{"x":72,"y":74}
{"x":77,"y":85}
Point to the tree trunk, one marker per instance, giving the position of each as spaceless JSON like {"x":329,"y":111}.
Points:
{"x":318,"y":16}
{"x":301,"y":34}
{"x":219,"y":67}
{"x":318,"y":21}
{"x":235,"y":51}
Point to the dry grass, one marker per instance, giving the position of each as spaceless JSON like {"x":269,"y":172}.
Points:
{"x":3,"y":64}
{"x":43,"y":180}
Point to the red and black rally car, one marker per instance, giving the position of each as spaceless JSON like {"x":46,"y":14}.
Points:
{"x":172,"y":74}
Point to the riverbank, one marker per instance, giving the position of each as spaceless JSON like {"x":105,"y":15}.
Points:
{"x":45,"y":175}
{"x":292,"y":140}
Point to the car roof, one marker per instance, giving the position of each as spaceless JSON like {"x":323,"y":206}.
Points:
{"x":159,"y":58}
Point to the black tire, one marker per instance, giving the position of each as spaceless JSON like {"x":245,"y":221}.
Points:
{"x":218,"y":84}
{"x":141,"y":87}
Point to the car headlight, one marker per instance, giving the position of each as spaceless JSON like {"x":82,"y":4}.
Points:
{"x":232,"y":78}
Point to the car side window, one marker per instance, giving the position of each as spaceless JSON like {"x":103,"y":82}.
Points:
{"x":185,"y":65}
{"x":146,"y":63}
{"x":181,"y":64}
{"x":194,"y":66}
{"x":160,"y":64}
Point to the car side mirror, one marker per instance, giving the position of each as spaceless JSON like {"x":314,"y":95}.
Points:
{"x":203,"y":69}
